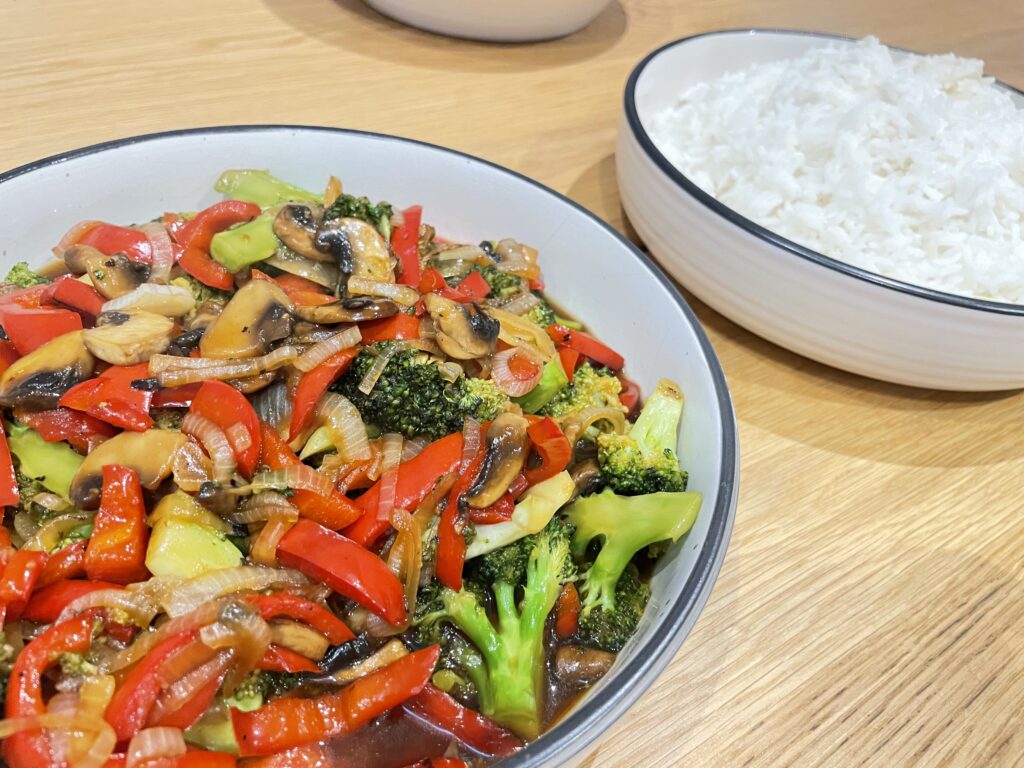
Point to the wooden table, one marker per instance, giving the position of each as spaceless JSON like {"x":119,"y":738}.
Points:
{"x":871,"y":608}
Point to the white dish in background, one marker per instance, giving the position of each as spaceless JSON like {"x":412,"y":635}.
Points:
{"x":498,"y":21}
{"x":621,"y":295}
{"x":825,"y":309}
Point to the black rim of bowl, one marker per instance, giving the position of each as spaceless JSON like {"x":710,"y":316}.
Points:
{"x":567,"y":736}
{"x":767,"y":235}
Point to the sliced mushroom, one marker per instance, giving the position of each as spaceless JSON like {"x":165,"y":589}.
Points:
{"x":320,"y":272}
{"x":463,"y":330}
{"x":296,"y":226}
{"x":254,"y":383}
{"x":42,"y":376}
{"x":580,"y":667}
{"x":350,"y":310}
{"x":506,"y":454}
{"x":150,"y":454}
{"x":205,"y":315}
{"x":586,"y":476}
{"x":258,"y":314}
{"x":360,"y":249}
{"x":128,"y":338}
{"x":113,"y":276}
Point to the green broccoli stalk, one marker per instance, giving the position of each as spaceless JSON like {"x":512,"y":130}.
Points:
{"x":511,"y":680}
{"x":255,"y":186}
{"x":626,"y":524}
{"x":23,"y":277}
{"x":590,"y":387}
{"x":609,"y":629}
{"x":350,"y":206}
{"x":644,"y":460}
{"x":411,"y":396}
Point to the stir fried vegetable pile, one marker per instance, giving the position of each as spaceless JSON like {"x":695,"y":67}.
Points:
{"x":292,"y":470}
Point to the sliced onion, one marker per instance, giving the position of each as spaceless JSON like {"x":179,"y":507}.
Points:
{"x":73,"y":235}
{"x":253,"y":635}
{"x":473,"y":253}
{"x":264,"y":549}
{"x":183,"y":689}
{"x":25,"y":525}
{"x":376,"y":466}
{"x":213,"y":439}
{"x":405,"y":560}
{"x":297,"y":477}
{"x":261,"y":507}
{"x":320,"y":272}
{"x":273,"y":404}
{"x":385,"y":656}
{"x":196,"y":592}
{"x":519,"y":268}
{"x":471,"y":439}
{"x":521,"y":304}
{"x":239,"y":437}
{"x":65,"y":704}
{"x":12,"y":725}
{"x":412,"y":448}
{"x":575,"y":424}
{"x":191,"y":467}
{"x":87,"y":750}
{"x":404,"y":295}
{"x":173,"y":371}
{"x":369,"y":381}
{"x":509,"y":249}
{"x":154,"y":744}
{"x":450,"y":371}
{"x":515,"y":330}
{"x":300,"y":638}
{"x":167,"y":300}
{"x":136,"y":606}
{"x":343,"y":421}
{"x":506,"y":380}
{"x":392,"y":457}
{"x":320,"y":351}
{"x":204,"y":614}
{"x":333,"y":191}
{"x":52,"y":531}
{"x":51,"y":501}
{"x":218,"y":635}
{"x":163,"y":252}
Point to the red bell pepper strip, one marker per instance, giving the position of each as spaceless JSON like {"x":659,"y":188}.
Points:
{"x":131,"y":703}
{"x":567,"y":612}
{"x":66,"y":563}
{"x":405,"y":241}
{"x":447,"y":762}
{"x":432,"y":281}
{"x":81,"y":430}
{"x":110,"y":239}
{"x":8,"y":355}
{"x":198,"y":231}
{"x":474,"y":286}
{"x":189,"y":712}
{"x":345,"y":567}
{"x":465,"y":725}
{"x":312,"y":386}
{"x":20,"y":574}
{"x":630,"y":394}
{"x":499,"y":512}
{"x":28,"y":329}
{"x":586,"y":345}
{"x":110,"y":397}
{"x":30,"y":749}
{"x":451,"y":544}
{"x":226,"y":407}
{"x":175,"y":397}
{"x":289,"y":721}
{"x":416,"y":478}
{"x":117,"y":547}
{"x":277,"y":658}
{"x":400,"y":327}
{"x":553,"y":448}
{"x":300,"y":290}
{"x":46,"y":603}
{"x":569,"y":358}
{"x":306,"y":756}
{"x":74,"y":293}
{"x":294,"y":607}
{"x":203,"y":268}
{"x":9,"y":495}
{"x":33,"y":297}
{"x":334,"y":511}
{"x":202,"y":759}
{"x":6,"y":548}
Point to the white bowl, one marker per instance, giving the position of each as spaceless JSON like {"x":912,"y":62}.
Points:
{"x":618,"y":291}
{"x":819,"y":307}
{"x":500,"y":21}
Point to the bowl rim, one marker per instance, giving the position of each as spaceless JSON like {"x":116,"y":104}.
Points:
{"x":772,"y":238}
{"x":578,"y":730}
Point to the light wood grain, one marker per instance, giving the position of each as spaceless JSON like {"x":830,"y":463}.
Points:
{"x":871,"y":608}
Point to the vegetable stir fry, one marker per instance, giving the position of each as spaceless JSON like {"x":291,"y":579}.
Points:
{"x":293,"y":480}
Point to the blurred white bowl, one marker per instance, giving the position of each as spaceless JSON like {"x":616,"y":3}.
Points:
{"x":814,"y":305}
{"x":499,"y":21}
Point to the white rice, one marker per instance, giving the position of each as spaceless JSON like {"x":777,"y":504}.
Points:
{"x":908,"y":166}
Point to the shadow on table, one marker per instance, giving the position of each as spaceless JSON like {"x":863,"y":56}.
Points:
{"x":354,"y":26}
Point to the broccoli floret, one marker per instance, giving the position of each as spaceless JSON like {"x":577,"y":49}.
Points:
{"x":168,"y":418}
{"x":626,"y":524}
{"x":200,"y":292}
{"x":609,"y":629}
{"x":590,"y":386}
{"x":28,"y":489}
{"x":502,"y":284}
{"x":76,"y":665}
{"x":644,"y":460}
{"x":261,"y":686}
{"x":6,"y":666}
{"x":511,"y":678}
{"x":24,"y":277}
{"x":543,"y":315}
{"x":350,"y":206}
{"x":412,"y":398}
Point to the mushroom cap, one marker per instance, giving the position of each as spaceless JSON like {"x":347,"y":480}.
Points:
{"x":150,"y":454}
{"x":259,"y":313}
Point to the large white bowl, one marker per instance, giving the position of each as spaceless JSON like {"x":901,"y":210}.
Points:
{"x":819,"y":307}
{"x":500,"y":21}
{"x":615,"y":289}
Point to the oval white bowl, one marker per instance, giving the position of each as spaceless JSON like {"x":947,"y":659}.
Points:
{"x":620,"y":294}
{"x":841,"y":315}
{"x":499,"y":21}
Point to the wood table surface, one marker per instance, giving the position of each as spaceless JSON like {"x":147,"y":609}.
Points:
{"x":871,"y":606}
